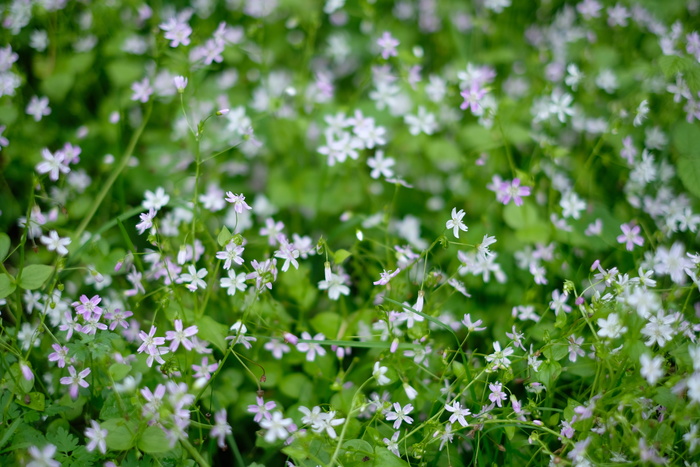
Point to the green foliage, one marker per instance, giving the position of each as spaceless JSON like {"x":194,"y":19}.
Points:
{"x":34,"y":276}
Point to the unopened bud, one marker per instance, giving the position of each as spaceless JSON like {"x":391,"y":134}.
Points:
{"x":26,"y":372}
{"x":291,"y":338}
{"x":394,"y":346}
{"x":221,"y":112}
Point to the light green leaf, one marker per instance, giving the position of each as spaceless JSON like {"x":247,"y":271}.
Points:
{"x":118,"y":371}
{"x":33,"y":400}
{"x":689,"y":173}
{"x":224,"y":236}
{"x":34,"y":276}
{"x":120,"y":433}
{"x":4,"y":246}
{"x":295,"y":384}
{"x":327,"y":323}
{"x":385,"y":458}
{"x":521,"y":217}
{"x":686,"y":138}
{"x":153,"y":441}
{"x":7,"y":285}
{"x":212,"y":331}
{"x":340,"y":256}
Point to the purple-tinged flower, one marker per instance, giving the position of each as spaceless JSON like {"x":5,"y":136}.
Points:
{"x":472,"y":97}
{"x":118,"y":318}
{"x":221,"y":428}
{"x":630,"y":236}
{"x":59,"y":356}
{"x":205,"y":370}
{"x":75,"y":380}
{"x":497,"y":394}
{"x":514,"y":191}
{"x":146,"y":221}
{"x":38,"y":107}
{"x":238,"y":202}
{"x":97,"y":436}
{"x":150,"y":342}
{"x":86,"y":307}
{"x":261,"y":409}
{"x":180,"y":336}
{"x":311,"y":348}
{"x":142,"y":90}
{"x":386,"y":276}
{"x":180,"y":83}
{"x":388,"y":43}
{"x":53,"y":164}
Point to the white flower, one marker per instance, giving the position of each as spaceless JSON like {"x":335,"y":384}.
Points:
{"x":155,"y":200}
{"x":233,"y":282}
{"x":97,"y":437}
{"x":276,"y":427}
{"x":54,"y":242}
{"x":379,"y":373}
{"x":611,"y":327}
{"x":651,"y":368}
{"x":194,"y":278}
{"x":456,"y":223}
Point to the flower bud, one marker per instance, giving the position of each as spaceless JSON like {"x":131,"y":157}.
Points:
{"x":394,"y":345}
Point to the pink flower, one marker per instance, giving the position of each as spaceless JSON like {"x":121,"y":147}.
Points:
{"x":513,"y":190}
{"x":75,"y":380}
{"x":472,"y":97}
{"x":388,"y":44}
{"x":180,"y":336}
{"x":630,"y":236}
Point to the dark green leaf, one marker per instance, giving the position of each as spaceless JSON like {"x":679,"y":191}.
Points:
{"x":4,"y":246}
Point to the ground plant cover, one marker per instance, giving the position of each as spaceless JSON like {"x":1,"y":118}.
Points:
{"x":349,"y":233}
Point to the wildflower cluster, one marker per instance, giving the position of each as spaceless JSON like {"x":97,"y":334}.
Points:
{"x":406,"y":232}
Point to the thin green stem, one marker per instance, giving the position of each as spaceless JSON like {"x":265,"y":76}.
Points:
{"x":114,"y":175}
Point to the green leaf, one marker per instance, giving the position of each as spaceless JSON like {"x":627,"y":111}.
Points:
{"x":340,"y":256}
{"x":212,"y":331}
{"x":153,"y":441}
{"x":34,"y":276}
{"x":327,"y":323}
{"x":57,"y":85}
{"x":689,"y":173}
{"x":295,"y":384}
{"x":33,"y":400}
{"x":673,"y":64}
{"x":10,"y":431}
{"x":686,"y":138}
{"x":62,"y":439}
{"x":548,"y":373}
{"x":385,"y":458}
{"x":118,"y":371}
{"x":224,"y":236}
{"x":7,"y":285}
{"x":521,"y":217}
{"x":4,"y":246}
{"x":510,"y":431}
{"x":120,"y":434}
